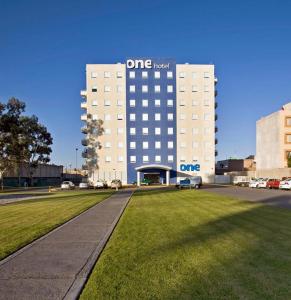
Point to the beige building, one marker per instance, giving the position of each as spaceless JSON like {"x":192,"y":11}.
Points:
{"x":273,"y":140}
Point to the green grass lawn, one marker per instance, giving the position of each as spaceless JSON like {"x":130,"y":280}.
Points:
{"x":195,"y":245}
{"x":22,"y":222}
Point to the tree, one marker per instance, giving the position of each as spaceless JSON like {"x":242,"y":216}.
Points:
{"x":22,"y":138}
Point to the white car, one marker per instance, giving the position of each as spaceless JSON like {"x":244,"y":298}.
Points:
{"x":67,"y":185}
{"x":83,"y":185}
{"x":285,"y":184}
{"x":262,"y":183}
{"x":253,"y":183}
{"x":100,"y":184}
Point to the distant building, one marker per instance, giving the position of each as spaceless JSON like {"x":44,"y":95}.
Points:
{"x":235,"y":165}
{"x":273,"y":140}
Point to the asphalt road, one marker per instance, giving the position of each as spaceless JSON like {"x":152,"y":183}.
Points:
{"x":271,"y":197}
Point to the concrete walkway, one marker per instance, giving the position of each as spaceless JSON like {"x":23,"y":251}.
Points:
{"x":57,"y":265}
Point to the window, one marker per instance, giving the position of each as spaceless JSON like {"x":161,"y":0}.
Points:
{"x":132,"y":145}
{"x":120,"y":145}
{"x":182,"y":88}
{"x":206,"y":75}
{"x":182,"y":102}
{"x":206,"y":102}
{"x":157,"y":88}
{"x":207,"y":117}
{"x":145,"y":117}
{"x":194,"y":75}
{"x":170,"y":158}
{"x":120,"y":158}
{"x":94,"y":103}
{"x":195,"y":102}
{"x":132,"y":74}
{"x":170,"y":117}
{"x":107,"y":102}
{"x":194,"y":117}
{"x":170,"y":130}
{"x":145,"y":145}
{"x":132,"y":158}
{"x":132,"y":131}
{"x":182,"y":116}
{"x":288,"y":121}
{"x":107,"y":131}
{"x":157,"y":117}
{"x":107,"y":88}
{"x":207,"y":130}
{"x":183,"y":145}
{"x":195,"y":131}
{"x":107,"y":158}
{"x":132,"y":103}
{"x":132,"y":117}
{"x":119,"y":116}
{"x":182,"y":75}
{"x":145,"y":131}
{"x":107,"y":117}
{"x":95,"y":117}
{"x":119,"y":130}
{"x":194,"y":88}
{"x":206,"y":88}
{"x":145,"y":103}
{"x":157,"y":131}
{"x":170,"y":102}
{"x":288,"y":138}
{"x":182,"y":158}
{"x":94,"y":74}
{"x":158,"y":145}
{"x":119,"y":89}
{"x":170,"y":145}
{"x":195,"y":144}
{"x":183,"y":130}
{"x":144,"y":74}
{"x":170,"y":89}
{"x":144,"y":89}
{"x":107,"y":145}
{"x":94,"y":89}
{"x":145,"y":158}
{"x":169,"y":74}
{"x":158,"y":158}
{"x":119,"y":102}
{"x":157,"y":102}
{"x":106,"y":74}
{"x":157,"y":74}
{"x":132,"y":88}
{"x":119,"y":74}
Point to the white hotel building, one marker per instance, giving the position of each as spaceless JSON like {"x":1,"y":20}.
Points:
{"x":158,"y":120}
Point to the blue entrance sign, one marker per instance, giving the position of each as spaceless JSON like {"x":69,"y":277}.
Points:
{"x":189,"y":167}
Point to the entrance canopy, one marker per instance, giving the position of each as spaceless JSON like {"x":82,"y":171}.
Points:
{"x":153,"y":166}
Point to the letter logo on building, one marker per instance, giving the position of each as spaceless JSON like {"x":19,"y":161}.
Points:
{"x":139,"y":63}
{"x":189,"y":167}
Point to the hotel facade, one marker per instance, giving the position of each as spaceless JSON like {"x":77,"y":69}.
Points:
{"x":158,"y":120}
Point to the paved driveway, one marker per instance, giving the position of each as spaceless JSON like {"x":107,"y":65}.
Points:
{"x":271,"y":197}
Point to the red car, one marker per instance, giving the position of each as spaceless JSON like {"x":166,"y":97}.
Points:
{"x":273,"y":184}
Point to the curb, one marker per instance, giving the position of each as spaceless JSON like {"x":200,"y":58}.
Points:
{"x":82,"y":277}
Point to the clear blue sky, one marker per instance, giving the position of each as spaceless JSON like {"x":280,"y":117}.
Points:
{"x":44,"y":46}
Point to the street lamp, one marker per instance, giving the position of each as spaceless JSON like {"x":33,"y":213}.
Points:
{"x":76,"y":159}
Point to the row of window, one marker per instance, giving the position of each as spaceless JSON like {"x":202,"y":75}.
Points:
{"x":145,"y":88}
{"x":157,"y":158}
{"x":157,"y":117}
{"x":157,"y":102}
{"x":157,"y":145}
{"x":170,"y":131}
{"x":144,"y":74}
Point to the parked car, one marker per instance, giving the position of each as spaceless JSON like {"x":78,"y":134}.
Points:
{"x":191,"y":182}
{"x":285,"y":184}
{"x":253,"y":183}
{"x":67,"y":185}
{"x":145,"y":181}
{"x":241,"y":180}
{"x":116,"y":183}
{"x":84,"y":185}
{"x":100,"y":184}
{"x":273,"y":183}
{"x":262,"y":183}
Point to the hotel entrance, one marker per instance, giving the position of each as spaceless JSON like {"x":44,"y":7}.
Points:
{"x":154,"y":178}
{"x":156,"y":174}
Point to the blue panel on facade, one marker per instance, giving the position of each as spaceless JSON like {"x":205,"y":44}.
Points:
{"x":166,"y":67}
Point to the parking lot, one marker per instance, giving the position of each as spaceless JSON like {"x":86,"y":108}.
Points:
{"x":271,"y":197}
